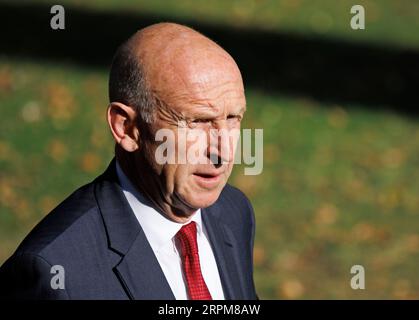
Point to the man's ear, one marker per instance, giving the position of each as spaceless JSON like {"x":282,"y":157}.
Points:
{"x":122,"y":122}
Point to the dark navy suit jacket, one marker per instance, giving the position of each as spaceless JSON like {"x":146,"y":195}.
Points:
{"x":96,"y":238}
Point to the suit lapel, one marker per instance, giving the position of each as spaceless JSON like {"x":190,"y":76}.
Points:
{"x":223,"y":245}
{"x":141,"y":274}
{"x":137,"y":269}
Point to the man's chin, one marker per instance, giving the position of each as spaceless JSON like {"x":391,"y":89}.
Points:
{"x":204,"y":199}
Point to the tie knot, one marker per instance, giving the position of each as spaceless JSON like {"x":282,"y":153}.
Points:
{"x":186,"y":237}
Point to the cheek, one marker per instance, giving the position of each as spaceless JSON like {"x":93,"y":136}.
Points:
{"x":179,"y":175}
{"x":148,"y":151}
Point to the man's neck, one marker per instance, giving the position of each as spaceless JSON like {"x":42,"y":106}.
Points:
{"x":153,"y":192}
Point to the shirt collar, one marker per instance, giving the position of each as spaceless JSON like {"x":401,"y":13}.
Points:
{"x":158,"y":229}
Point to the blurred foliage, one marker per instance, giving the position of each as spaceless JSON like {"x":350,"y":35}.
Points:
{"x":339,"y":186}
{"x":340,"y":183}
{"x":389,"y":22}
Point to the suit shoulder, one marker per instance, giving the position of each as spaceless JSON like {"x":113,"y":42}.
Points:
{"x":27,"y":276}
{"x":61,"y":220}
{"x":234,"y":194}
{"x":238,"y":204}
{"x":232,"y":191}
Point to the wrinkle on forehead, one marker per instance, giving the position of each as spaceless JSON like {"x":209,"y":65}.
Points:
{"x":177,"y":58}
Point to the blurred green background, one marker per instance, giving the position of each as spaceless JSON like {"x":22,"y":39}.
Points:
{"x":340,"y":182}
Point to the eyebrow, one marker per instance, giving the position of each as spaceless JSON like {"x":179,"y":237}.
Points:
{"x":204,"y":113}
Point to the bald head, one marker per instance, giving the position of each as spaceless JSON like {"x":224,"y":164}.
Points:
{"x":164,"y":61}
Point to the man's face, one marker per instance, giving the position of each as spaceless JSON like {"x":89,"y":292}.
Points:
{"x":197,"y":98}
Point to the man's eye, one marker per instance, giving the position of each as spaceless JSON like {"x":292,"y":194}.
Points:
{"x":201,"y":121}
{"x":233,"y":116}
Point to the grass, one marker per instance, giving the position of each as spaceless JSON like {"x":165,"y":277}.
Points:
{"x":338,"y":188}
{"x":339,"y":185}
{"x":388,"y":22}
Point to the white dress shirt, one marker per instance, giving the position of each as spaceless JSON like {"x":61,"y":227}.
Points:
{"x":160,"y":233}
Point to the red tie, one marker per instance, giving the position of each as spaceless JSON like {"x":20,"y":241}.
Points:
{"x":197,"y":288}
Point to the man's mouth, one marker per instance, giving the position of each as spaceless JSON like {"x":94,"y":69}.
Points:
{"x":207,"y":179}
{"x":205,"y":175}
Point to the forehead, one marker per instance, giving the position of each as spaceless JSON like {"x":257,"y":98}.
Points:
{"x":199,"y":80}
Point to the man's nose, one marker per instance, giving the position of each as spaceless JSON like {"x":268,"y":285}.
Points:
{"x":220,"y":147}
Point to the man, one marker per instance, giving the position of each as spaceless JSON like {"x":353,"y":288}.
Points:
{"x":147,"y":229}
